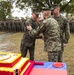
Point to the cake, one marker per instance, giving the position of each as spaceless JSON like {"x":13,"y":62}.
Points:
{"x":13,"y":64}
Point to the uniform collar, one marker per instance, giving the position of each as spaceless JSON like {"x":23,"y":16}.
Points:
{"x":49,"y":16}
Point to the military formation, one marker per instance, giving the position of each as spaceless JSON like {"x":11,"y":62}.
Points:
{"x":12,"y":25}
{"x":18,"y":25}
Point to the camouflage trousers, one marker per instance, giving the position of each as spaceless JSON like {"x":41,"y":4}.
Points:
{"x":61,"y":54}
{"x":25,"y":49}
{"x":54,"y":56}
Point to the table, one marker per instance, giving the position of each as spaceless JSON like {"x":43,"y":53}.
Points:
{"x":48,"y":69}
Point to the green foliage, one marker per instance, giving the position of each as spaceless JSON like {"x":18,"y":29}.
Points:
{"x":66,"y":6}
{"x":70,"y":7}
{"x":5,"y":10}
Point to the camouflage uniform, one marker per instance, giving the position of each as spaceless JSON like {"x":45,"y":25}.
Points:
{"x":0,"y":25}
{"x":52,"y":43}
{"x":22,"y":25}
{"x":9,"y":26}
{"x":64,"y":32}
{"x":6,"y":25}
{"x":28,"y":42}
{"x":19,"y":26}
{"x":15,"y":24}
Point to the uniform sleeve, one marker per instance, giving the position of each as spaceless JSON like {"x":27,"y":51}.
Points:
{"x":39,"y":30}
{"x":67,"y":31}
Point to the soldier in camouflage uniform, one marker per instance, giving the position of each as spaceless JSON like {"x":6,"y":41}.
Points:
{"x":6,"y":25}
{"x":71,"y":22}
{"x":19,"y":26}
{"x":9,"y":25}
{"x":64,"y":28}
{"x":50,"y":30}
{"x":28,"y":42}
{"x":22,"y":24}
{"x":0,"y":25}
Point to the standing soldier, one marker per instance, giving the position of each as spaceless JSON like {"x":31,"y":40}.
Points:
{"x":19,"y":25}
{"x":28,"y":42}
{"x":9,"y":25}
{"x":64,"y":28}
{"x":71,"y":22}
{"x":50,"y":30}
{"x":15,"y":24}
{"x":5,"y":25}
{"x":23,"y":22}
{"x":0,"y":25}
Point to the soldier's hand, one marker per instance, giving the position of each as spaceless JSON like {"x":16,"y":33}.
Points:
{"x":64,"y":44}
{"x":29,"y":27}
{"x":42,"y":37}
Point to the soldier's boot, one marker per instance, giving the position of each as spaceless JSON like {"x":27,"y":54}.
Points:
{"x":60,"y":56}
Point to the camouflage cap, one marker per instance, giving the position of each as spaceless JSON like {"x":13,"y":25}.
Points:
{"x":46,"y":8}
{"x":34,"y":10}
{"x":54,"y":6}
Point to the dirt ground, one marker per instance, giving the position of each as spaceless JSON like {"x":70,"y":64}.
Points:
{"x":10,"y":42}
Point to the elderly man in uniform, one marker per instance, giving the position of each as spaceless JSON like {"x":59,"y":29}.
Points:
{"x":50,"y":30}
{"x":28,"y":42}
{"x":64,"y":28}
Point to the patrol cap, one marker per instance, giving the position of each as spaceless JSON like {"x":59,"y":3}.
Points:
{"x":54,"y":6}
{"x":46,"y":8}
{"x":34,"y":10}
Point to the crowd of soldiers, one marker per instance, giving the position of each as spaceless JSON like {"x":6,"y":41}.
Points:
{"x":18,"y":25}
{"x":12,"y":25}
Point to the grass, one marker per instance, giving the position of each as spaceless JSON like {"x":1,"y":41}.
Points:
{"x":68,"y":56}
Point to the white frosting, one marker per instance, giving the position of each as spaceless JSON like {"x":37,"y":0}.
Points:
{"x":8,"y":57}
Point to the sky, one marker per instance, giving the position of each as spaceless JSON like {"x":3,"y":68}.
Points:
{"x":16,"y":12}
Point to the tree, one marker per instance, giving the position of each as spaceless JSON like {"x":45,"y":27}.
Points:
{"x":70,"y":7}
{"x":5,"y":10}
{"x":41,"y":3}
